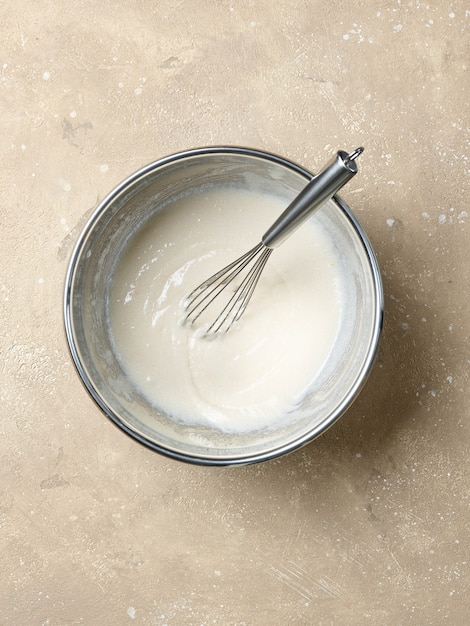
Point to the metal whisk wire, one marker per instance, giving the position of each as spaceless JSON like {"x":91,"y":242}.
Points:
{"x":203,"y":296}
{"x":320,"y":189}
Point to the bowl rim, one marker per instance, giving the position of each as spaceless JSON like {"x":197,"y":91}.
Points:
{"x":208,"y":460}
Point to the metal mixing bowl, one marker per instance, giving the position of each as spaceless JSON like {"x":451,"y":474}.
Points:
{"x":86,"y":303}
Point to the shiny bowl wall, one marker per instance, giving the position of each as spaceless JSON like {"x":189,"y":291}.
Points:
{"x":86,"y":305}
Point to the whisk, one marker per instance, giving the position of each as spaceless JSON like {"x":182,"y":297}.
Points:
{"x":247,"y":269}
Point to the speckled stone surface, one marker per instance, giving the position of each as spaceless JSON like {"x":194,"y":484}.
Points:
{"x":370,"y":523}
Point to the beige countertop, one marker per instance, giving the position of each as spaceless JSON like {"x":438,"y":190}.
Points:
{"x":368,"y":524}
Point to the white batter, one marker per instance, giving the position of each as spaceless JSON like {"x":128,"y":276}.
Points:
{"x":258,"y":372}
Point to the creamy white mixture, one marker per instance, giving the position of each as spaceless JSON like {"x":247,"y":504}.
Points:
{"x":261,"y":369}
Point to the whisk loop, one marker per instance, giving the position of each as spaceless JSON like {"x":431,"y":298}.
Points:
{"x":203,"y":296}
{"x":244,"y":273}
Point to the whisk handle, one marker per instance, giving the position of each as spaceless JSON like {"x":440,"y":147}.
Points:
{"x":321,"y":188}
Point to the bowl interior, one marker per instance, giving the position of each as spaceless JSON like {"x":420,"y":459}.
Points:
{"x":125,"y":211}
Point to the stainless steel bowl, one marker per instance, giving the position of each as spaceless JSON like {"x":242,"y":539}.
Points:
{"x":86,"y":299}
